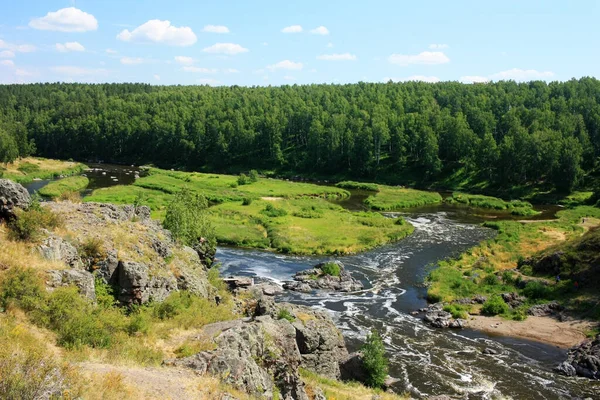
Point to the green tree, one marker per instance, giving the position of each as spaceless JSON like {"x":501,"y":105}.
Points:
{"x":374,"y":361}
{"x":187,"y":220}
{"x":9,"y":151}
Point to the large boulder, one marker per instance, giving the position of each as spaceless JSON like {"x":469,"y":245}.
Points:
{"x":317,"y":278}
{"x":138,"y":285}
{"x":583,"y":360}
{"x":55,"y":248}
{"x":12,"y":195}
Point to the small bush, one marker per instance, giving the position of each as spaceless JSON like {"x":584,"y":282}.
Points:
{"x":92,"y":250}
{"x":246,"y":201}
{"x":374,"y":362}
{"x":273,"y":212}
{"x":536,"y":290}
{"x":285,"y":314}
{"x":187,"y":220}
{"x":253,"y":175}
{"x":27,"y":224}
{"x":494,"y":305}
{"x":457,"y":310}
{"x":28,"y":168}
{"x":243,"y":180}
{"x":490,"y":280}
{"x":21,"y":287}
{"x":332,"y":269}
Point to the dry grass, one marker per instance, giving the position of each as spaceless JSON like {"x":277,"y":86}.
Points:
{"x":23,"y":254}
{"x":336,"y":390}
{"x":44,"y":164}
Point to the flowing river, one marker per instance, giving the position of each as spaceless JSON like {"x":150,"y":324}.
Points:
{"x":425,"y":361}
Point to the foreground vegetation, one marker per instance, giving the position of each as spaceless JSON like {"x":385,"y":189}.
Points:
{"x":491,"y":267}
{"x":56,"y":189}
{"x":25,"y":170}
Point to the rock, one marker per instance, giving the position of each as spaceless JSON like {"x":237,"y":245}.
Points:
{"x":238,"y":282}
{"x":318,"y":394}
{"x":479,"y":299}
{"x":457,"y":324}
{"x":438,"y":318}
{"x":583,"y":360}
{"x":107,"y":268}
{"x":139,"y":287}
{"x":316,"y":279}
{"x":12,"y":195}
{"x":351,"y":369}
{"x":489,"y":352}
{"x":513,"y":299}
{"x":55,"y":248}
{"x":82,"y":279}
{"x":269,"y":289}
{"x":162,"y":248}
{"x":544,"y":310}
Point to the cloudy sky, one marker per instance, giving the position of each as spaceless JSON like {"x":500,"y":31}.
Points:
{"x":256,"y":42}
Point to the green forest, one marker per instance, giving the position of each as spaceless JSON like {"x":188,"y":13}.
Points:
{"x":499,"y":135}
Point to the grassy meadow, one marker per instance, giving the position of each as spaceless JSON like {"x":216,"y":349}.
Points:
{"x":25,"y":170}
{"x":389,"y":198}
{"x":515,"y":207}
{"x":63,"y":186}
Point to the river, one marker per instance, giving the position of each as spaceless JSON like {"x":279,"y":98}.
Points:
{"x":425,"y":361}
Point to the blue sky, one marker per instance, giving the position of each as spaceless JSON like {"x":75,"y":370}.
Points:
{"x":255,"y":42}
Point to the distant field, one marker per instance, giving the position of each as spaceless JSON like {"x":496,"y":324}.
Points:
{"x":393,"y":198}
{"x":516,"y":207}
{"x":27,"y":169}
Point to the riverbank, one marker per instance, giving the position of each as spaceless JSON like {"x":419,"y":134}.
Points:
{"x":563,"y":334}
{"x":28,"y":169}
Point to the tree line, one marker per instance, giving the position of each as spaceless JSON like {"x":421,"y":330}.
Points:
{"x":503,"y":133}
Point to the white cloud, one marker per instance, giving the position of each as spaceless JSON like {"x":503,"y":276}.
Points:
{"x":420,"y":78}
{"x":157,"y":77}
{"x":473,"y":79}
{"x":183,"y":60}
{"x":7,"y":63}
{"x":265,"y":44}
{"x":7,"y":54}
{"x":23,"y":72}
{"x":330,"y":45}
{"x":438,"y":46}
{"x":215,"y":29}
{"x":225,"y":48}
{"x":111,"y":51}
{"x":321,"y":30}
{"x":69,"y":46}
{"x":208,"y":81}
{"x":157,"y":31}
{"x":337,"y":57}
{"x":292,"y":29}
{"x":518,"y":74}
{"x":425,"y":58}
{"x":231,"y":71}
{"x":69,"y":19}
{"x":131,"y":60}
{"x":78,"y":71}
{"x":21,"y":48}
{"x":286,"y":64}
{"x":289,"y":78}
{"x":200,"y":70}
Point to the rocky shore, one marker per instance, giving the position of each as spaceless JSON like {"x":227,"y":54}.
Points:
{"x":329,"y":276}
{"x":583,"y":360}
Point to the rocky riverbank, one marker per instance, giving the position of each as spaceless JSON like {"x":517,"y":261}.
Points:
{"x":329,"y":276}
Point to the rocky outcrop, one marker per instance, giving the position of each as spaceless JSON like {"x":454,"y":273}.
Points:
{"x":582,"y":360}
{"x":132,"y":252}
{"x":545,"y":310}
{"x":12,"y":195}
{"x":259,"y":354}
{"x":68,"y":277}
{"x":438,"y":318}
{"x":320,"y":278}
{"x":514,"y":300}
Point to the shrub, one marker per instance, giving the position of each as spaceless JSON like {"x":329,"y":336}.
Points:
{"x":243,"y":180}
{"x":187,"y":220}
{"x":273,"y":212}
{"x":22,"y":287}
{"x":494,"y":305}
{"x":246,"y":201}
{"x":285,"y":314}
{"x":28,"y":168}
{"x":374,"y":361}
{"x":332,"y":269}
{"x":253,"y":175}
{"x":536,"y":290}
{"x":457,"y":310}
{"x":27,"y":224}
{"x":92,"y":250}
{"x":491,"y":280}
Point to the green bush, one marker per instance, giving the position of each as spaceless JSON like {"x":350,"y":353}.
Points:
{"x":21,"y":287}
{"x":246,"y":201}
{"x":536,"y":290}
{"x":285,"y":314}
{"x":494,"y":305}
{"x":331,"y":269}
{"x":253,"y":175}
{"x":187,"y":220}
{"x":243,"y":179}
{"x":28,"y":168}
{"x":490,"y":280}
{"x":273,"y":212}
{"x":457,"y":310}
{"x":374,"y":361}
{"x":26,"y":225}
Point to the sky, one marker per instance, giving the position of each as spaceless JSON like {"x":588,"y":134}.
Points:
{"x":284,"y":42}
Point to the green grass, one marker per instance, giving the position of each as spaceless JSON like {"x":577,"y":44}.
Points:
{"x":371,"y":187}
{"x":331,"y":230}
{"x":393,"y":198}
{"x":576,"y":199}
{"x":515,"y":207}
{"x":487,"y":269}
{"x":25,"y":170}
{"x":66,"y":185}
{"x":121,"y":194}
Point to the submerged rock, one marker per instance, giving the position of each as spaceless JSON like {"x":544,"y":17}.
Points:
{"x":320,"y":277}
{"x":12,"y":195}
{"x":582,"y":360}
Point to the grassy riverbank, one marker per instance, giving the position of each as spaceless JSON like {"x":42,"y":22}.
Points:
{"x":515,"y":207}
{"x":390,"y":198}
{"x":73,"y":184}
{"x":25,"y":170}
{"x":491,"y":267}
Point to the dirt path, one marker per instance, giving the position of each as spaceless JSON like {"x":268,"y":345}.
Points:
{"x":541,"y":329}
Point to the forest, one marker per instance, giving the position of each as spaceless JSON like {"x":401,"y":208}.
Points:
{"x":500,"y":135}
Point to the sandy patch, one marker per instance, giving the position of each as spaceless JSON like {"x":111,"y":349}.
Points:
{"x":267,"y":198}
{"x":541,"y":329}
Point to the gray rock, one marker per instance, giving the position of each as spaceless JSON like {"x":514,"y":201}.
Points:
{"x":80,"y":278}
{"x":438,"y":318}
{"x":238,"y":282}
{"x":107,"y":268}
{"x":162,"y":248}
{"x":457,"y":323}
{"x":583,"y":360}
{"x":139,"y":287}
{"x":315,"y":279}
{"x":318,"y":394}
{"x":351,"y":369}
{"x":514,"y":300}
{"x":489,"y":352}
{"x":12,"y":195}
{"x":55,"y":248}
{"x":544,"y":310}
